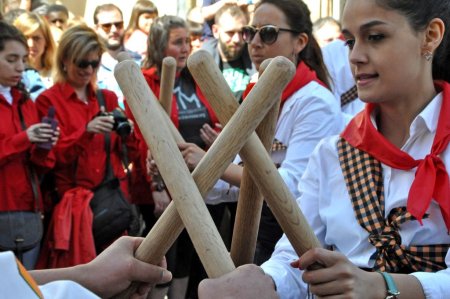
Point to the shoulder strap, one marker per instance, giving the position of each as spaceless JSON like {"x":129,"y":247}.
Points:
{"x":31,"y":171}
{"x":109,"y":175}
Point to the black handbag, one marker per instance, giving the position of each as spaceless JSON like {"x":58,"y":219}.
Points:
{"x":22,"y":230}
{"x":111,"y":210}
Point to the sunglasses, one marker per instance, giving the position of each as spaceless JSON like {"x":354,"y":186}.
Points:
{"x":107,"y":26}
{"x":83,"y":64}
{"x":267,"y":33}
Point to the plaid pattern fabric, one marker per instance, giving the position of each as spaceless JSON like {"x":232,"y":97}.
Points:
{"x":364,"y":179}
{"x":349,"y":96}
{"x":278,"y":146}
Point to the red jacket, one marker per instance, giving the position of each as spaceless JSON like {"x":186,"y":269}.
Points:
{"x":15,"y":186}
{"x":69,"y":240}
{"x":80,"y":155}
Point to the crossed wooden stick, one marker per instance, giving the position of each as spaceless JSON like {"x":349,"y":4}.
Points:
{"x":188,"y":190}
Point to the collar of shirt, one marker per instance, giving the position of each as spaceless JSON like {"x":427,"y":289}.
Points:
{"x":69,"y":92}
{"x":5,"y":91}
{"x":427,"y":119}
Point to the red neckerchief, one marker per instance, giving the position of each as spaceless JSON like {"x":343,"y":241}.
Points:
{"x":432,"y":180}
{"x":303,"y":75}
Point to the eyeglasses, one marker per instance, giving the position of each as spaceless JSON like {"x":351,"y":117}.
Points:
{"x":267,"y":33}
{"x":107,"y":26}
{"x":83,"y":64}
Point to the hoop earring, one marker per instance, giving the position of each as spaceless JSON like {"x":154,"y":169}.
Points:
{"x":428,"y":55}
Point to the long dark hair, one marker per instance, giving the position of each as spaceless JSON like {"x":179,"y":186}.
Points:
{"x":419,"y":14}
{"x":11,"y":33}
{"x":298,"y":17}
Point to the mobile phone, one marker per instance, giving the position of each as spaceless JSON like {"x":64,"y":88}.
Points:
{"x":49,"y":119}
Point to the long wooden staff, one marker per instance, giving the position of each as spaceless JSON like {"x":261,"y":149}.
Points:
{"x":137,"y":94}
{"x":250,"y":202}
{"x":255,"y":157}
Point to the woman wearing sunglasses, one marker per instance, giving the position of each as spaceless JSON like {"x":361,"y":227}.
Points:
{"x":308,"y":110}
{"x":81,"y":154}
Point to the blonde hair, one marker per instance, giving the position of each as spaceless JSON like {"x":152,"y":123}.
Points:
{"x":30,"y":22}
{"x":75,"y":44}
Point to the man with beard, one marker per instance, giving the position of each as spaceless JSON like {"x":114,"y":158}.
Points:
{"x":229,"y":49}
{"x":108,"y":20}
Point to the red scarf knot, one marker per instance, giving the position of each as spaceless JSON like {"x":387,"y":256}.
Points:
{"x":431,"y":179}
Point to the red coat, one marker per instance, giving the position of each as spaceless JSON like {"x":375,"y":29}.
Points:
{"x":15,"y":186}
{"x":80,"y":155}
{"x":69,"y":240}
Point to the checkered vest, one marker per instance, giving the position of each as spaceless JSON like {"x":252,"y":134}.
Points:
{"x":364,"y":179}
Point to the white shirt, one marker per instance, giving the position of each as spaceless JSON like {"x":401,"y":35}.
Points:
{"x":335,"y":57}
{"x":5,"y":91}
{"x":105,"y":75}
{"x":327,"y":207}
{"x":308,"y":115}
{"x":14,"y":285}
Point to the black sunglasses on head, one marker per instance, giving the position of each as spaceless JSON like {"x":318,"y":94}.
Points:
{"x":267,"y":33}
{"x":107,"y":26}
{"x":83,"y":64}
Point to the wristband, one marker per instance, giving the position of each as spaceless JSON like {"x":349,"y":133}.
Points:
{"x":392,"y":292}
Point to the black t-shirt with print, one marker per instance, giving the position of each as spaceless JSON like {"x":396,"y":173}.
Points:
{"x":192,"y":113}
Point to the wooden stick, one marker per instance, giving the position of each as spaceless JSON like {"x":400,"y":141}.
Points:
{"x":123,"y":56}
{"x":178,"y":179}
{"x":254,"y":155}
{"x":167,"y":82}
{"x":169,"y":225}
{"x":250,"y":202}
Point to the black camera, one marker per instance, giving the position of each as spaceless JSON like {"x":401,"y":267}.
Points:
{"x":121,"y":124}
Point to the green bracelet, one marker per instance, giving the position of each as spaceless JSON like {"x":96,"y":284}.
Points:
{"x":392,"y":292}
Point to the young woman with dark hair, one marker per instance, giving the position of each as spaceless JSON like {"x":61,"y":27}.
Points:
{"x":378,"y":194}
{"x":21,"y":133}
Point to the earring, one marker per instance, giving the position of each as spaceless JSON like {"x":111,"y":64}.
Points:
{"x":428,"y":55}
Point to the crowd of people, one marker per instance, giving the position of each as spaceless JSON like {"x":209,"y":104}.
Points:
{"x":361,"y":141}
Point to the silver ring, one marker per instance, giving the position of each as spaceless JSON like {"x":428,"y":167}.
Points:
{"x":37,"y":131}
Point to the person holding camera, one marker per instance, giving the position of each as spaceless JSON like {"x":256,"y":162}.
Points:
{"x":93,"y":128}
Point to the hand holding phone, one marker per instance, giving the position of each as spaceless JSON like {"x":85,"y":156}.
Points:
{"x":49,"y":119}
